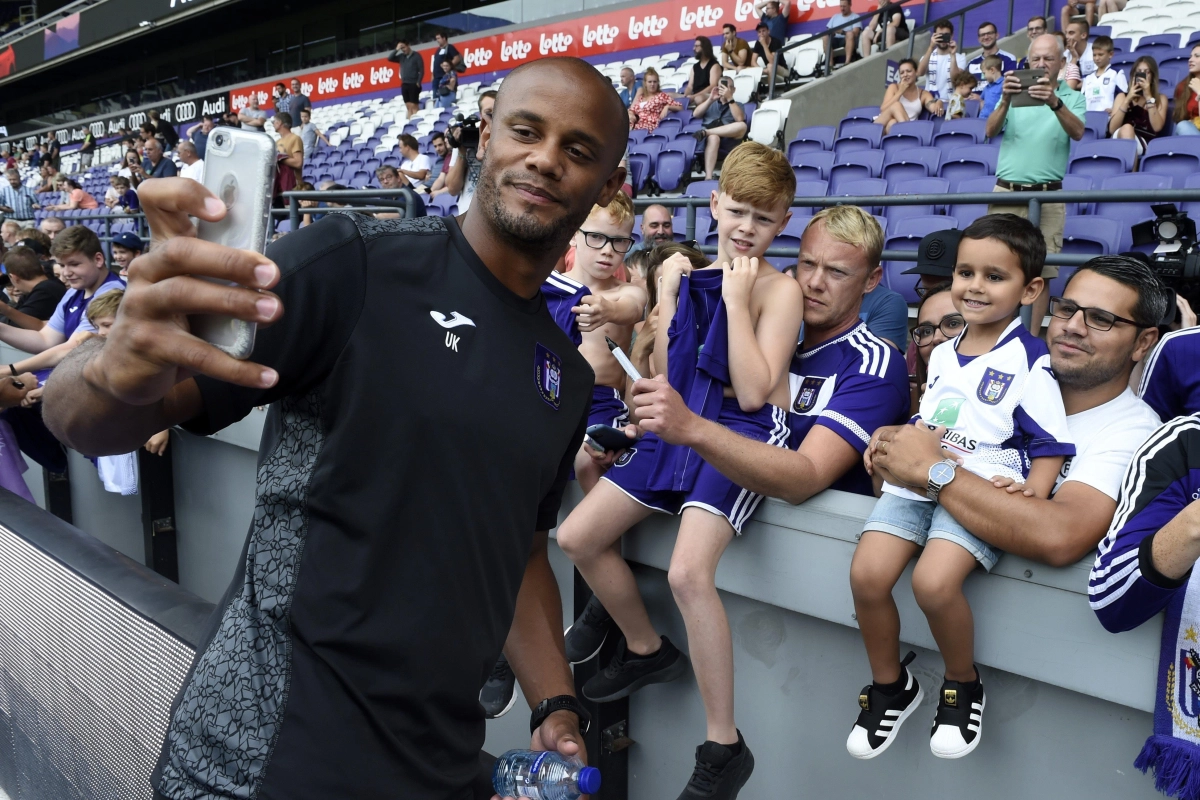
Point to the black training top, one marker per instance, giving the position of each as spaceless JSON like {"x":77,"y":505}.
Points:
{"x":423,"y":428}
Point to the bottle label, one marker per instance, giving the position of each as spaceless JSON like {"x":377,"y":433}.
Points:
{"x":537,"y":764}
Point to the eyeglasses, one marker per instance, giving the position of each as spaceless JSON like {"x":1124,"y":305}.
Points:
{"x":1095,"y":318}
{"x":950,"y":326}
{"x":598,"y":241}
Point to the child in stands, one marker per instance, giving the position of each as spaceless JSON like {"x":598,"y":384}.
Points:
{"x":964,"y":90}
{"x":726,"y":337}
{"x":992,"y":390}
{"x":993,"y":74}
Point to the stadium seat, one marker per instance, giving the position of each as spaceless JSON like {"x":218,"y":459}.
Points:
{"x":1095,"y":126}
{"x":1103,"y":158}
{"x":970,"y":161}
{"x":858,"y":136}
{"x":809,"y":188}
{"x":813,"y":165}
{"x":639,"y":169}
{"x":855,"y":165}
{"x":1078,"y":183}
{"x":671,"y":168}
{"x":907,"y":236}
{"x":964,"y":213}
{"x":1173,"y":156}
{"x":957,"y":132}
{"x":669,"y":127}
{"x":918,"y":133}
{"x":867,"y":187}
{"x":860,"y":114}
{"x":909,"y":164}
{"x":816,"y":137}
{"x":1091,"y":236}
{"x":918,"y":186}
{"x":767,"y":125}
{"x":1129,"y":213}
{"x":745,"y":82}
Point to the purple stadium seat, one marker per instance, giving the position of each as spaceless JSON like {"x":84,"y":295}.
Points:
{"x":911,"y":163}
{"x":968,"y":213}
{"x":361,"y":180}
{"x":1103,"y":158}
{"x":957,"y":132}
{"x":918,"y":133}
{"x":283,"y":225}
{"x":907,"y":236}
{"x":1091,"y":236}
{"x":670,"y":168}
{"x":669,"y":127}
{"x":816,"y":137}
{"x":701,"y":188}
{"x":858,"y":136}
{"x":657,"y":138}
{"x":1078,"y":183}
{"x":1158,"y":43}
{"x":918,"y":186}
{"x":639,"y":169}
{"x":651,"y":151}
{"x":856,"y":115}
{"x":867,"y":187}
{"x":797,"y":224}
{"x":637,"y":135}
{"x":971,"y":161}
{"x":808,"y":188}
{"x":686,"y":145}
{"x":1192,"y":40}
{"x":855,"y":165}
{"x":1173,"y":156}
{"x":814,"y":165}
{"x":1129,"y":213}
{"x":1095,"y":125}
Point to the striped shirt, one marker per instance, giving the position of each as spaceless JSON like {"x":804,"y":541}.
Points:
{"x":20,"y":200}
{"x":1171,"y":380}
{"x":1124,"y":588}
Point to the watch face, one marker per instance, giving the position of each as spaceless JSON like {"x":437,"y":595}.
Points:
{"x":941,"y":473}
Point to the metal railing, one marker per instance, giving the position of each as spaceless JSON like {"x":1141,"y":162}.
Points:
{"x":1033,"y":200}
{"x":138,"y":216}
{"x":376,"y":201}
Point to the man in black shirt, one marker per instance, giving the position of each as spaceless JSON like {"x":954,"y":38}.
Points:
{"x":39,"y":294}
{"x":425,"y":414}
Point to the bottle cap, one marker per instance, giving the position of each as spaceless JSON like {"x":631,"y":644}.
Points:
{"x":589,"y":780}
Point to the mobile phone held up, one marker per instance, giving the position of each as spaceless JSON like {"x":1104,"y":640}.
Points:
{"x":239,"y":168}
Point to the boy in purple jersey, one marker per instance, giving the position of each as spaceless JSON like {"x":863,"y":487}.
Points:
{"x":1171,"y":381}
{"x":610,"y":311}
{"x":732,"y":330}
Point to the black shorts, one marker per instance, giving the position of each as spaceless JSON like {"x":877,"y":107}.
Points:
{"x":410,"y":92}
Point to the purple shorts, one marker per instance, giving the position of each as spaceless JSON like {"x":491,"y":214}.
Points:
{"x":607,"y":408}
{"x":712,"y":491}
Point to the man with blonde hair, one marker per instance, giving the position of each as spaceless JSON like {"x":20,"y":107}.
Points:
{"x":726,"y":334}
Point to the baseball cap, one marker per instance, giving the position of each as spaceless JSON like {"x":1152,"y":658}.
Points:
{"x":35,"y":246}
{"x":130,"y":241}
{"x":937,"y":254}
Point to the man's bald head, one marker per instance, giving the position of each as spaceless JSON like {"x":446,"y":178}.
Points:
{"x":601,"y":109}
{"x":1045,"y":53}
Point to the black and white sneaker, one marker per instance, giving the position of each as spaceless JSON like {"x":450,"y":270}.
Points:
{"x":586,"y":636}
{"x":719,"y":773}
{"x":499,"y":692}
{"x":958,"y":726}
{"x":882,"y":715}
{"x":627,"y":673}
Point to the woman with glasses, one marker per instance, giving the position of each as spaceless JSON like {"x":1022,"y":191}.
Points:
{"x":937,"y":321}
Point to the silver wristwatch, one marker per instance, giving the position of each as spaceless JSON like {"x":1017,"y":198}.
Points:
{"x":940,"y":474}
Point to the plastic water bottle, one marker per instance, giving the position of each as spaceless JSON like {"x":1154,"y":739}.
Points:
{"x":543,"y":776}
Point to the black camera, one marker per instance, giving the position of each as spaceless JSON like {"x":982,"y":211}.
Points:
{"x":1176,"y":257}
{"x":465,"y":133}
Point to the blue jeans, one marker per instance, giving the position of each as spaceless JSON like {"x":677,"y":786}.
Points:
{"x":446,"y":100}
{"x":1186,"y":128}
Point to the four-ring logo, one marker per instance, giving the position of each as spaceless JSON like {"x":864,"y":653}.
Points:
{"x":185,"y":111}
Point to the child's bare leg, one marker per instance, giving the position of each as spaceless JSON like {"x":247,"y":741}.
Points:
{"x":938,"y":587}
{"x":879,"y":560}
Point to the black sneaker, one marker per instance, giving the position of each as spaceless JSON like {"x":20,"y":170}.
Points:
{"x":958,"y":726}
{"x":719,"y":774}
{"x":586,"y":636}
{"x":881,"y":716}
{"x":498,"y":694}
{"x":627,"y":673}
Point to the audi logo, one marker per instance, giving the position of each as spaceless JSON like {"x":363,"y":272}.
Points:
{"x":136,"y":120}
{"x":185,"y":111}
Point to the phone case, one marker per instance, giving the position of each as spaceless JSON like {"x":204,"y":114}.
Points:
{"x":609,"y":438}
{"x":239,"y":168}
{"x":1028,"y":78}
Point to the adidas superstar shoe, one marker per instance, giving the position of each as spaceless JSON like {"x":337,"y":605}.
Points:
{"x":881,"y":716}
{"x":958,"y":726}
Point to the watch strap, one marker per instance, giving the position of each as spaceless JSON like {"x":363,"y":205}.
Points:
{"x":563,"y":702}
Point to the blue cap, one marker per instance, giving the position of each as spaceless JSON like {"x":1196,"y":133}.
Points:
{"x":130,"y":241}
{"x":589,"y":780}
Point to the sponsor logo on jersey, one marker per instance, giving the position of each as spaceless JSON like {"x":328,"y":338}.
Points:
{"x":625,"y":457}
{"x":947,"y":410}
{"x":548,"y":373}
{"x":453,"y":321}
{"x":960,"y":441}
{"x":994,"y":386}
{"x":807,"y":394}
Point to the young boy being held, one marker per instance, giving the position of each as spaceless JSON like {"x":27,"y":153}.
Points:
{"x":726,"y":337}
{"x":992,"y":391}
{"x":993,"y":74}
{"x":964,"y":89}
{"x":610,"y":311}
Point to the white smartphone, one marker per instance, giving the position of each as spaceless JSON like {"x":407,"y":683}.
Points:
{"x":239,"y":168}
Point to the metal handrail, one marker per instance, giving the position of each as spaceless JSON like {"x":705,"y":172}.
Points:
{"x":1034,"y":200}
{"x":142,"y":230}
{"x":408,"y":195}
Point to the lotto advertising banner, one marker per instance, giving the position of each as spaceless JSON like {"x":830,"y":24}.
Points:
{"x":658,"y":23}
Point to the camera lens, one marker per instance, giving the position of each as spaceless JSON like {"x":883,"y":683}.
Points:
{"x":219,"y":139}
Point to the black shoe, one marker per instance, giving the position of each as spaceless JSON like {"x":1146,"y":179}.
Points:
{"x":719,"y":774}
{"x":498,"y":694}
{"x":586,"y":636}
{"x":627,"y":673}
{"x":881,"y":716}
{"x":958,"y":726}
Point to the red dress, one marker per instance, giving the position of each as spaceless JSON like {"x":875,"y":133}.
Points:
{"x":648,"y":110}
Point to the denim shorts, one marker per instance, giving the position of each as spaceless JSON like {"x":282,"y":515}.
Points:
{"x":919,"y":521}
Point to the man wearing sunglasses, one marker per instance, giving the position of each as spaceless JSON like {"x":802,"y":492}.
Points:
{"x":1101,"y":327}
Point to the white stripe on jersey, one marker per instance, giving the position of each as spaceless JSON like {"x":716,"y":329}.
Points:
{"x":1152,"y":361}
{"x":848,"y":424}
{"x":569,"y":285}
{"x":876,"y":353}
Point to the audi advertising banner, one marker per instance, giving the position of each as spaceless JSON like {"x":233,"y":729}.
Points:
{"x":653,"y":24}
{"x":180,"y":112}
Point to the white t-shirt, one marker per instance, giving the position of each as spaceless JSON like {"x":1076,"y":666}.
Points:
{"x":1106,"y":437}
{"x":417,"y":164}
{"x":1000,"y":409}
{"x":938,"y":80}
{"x":1086,"y":65}
{"x":195,"y":170}
{"x":1100,"y":88}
